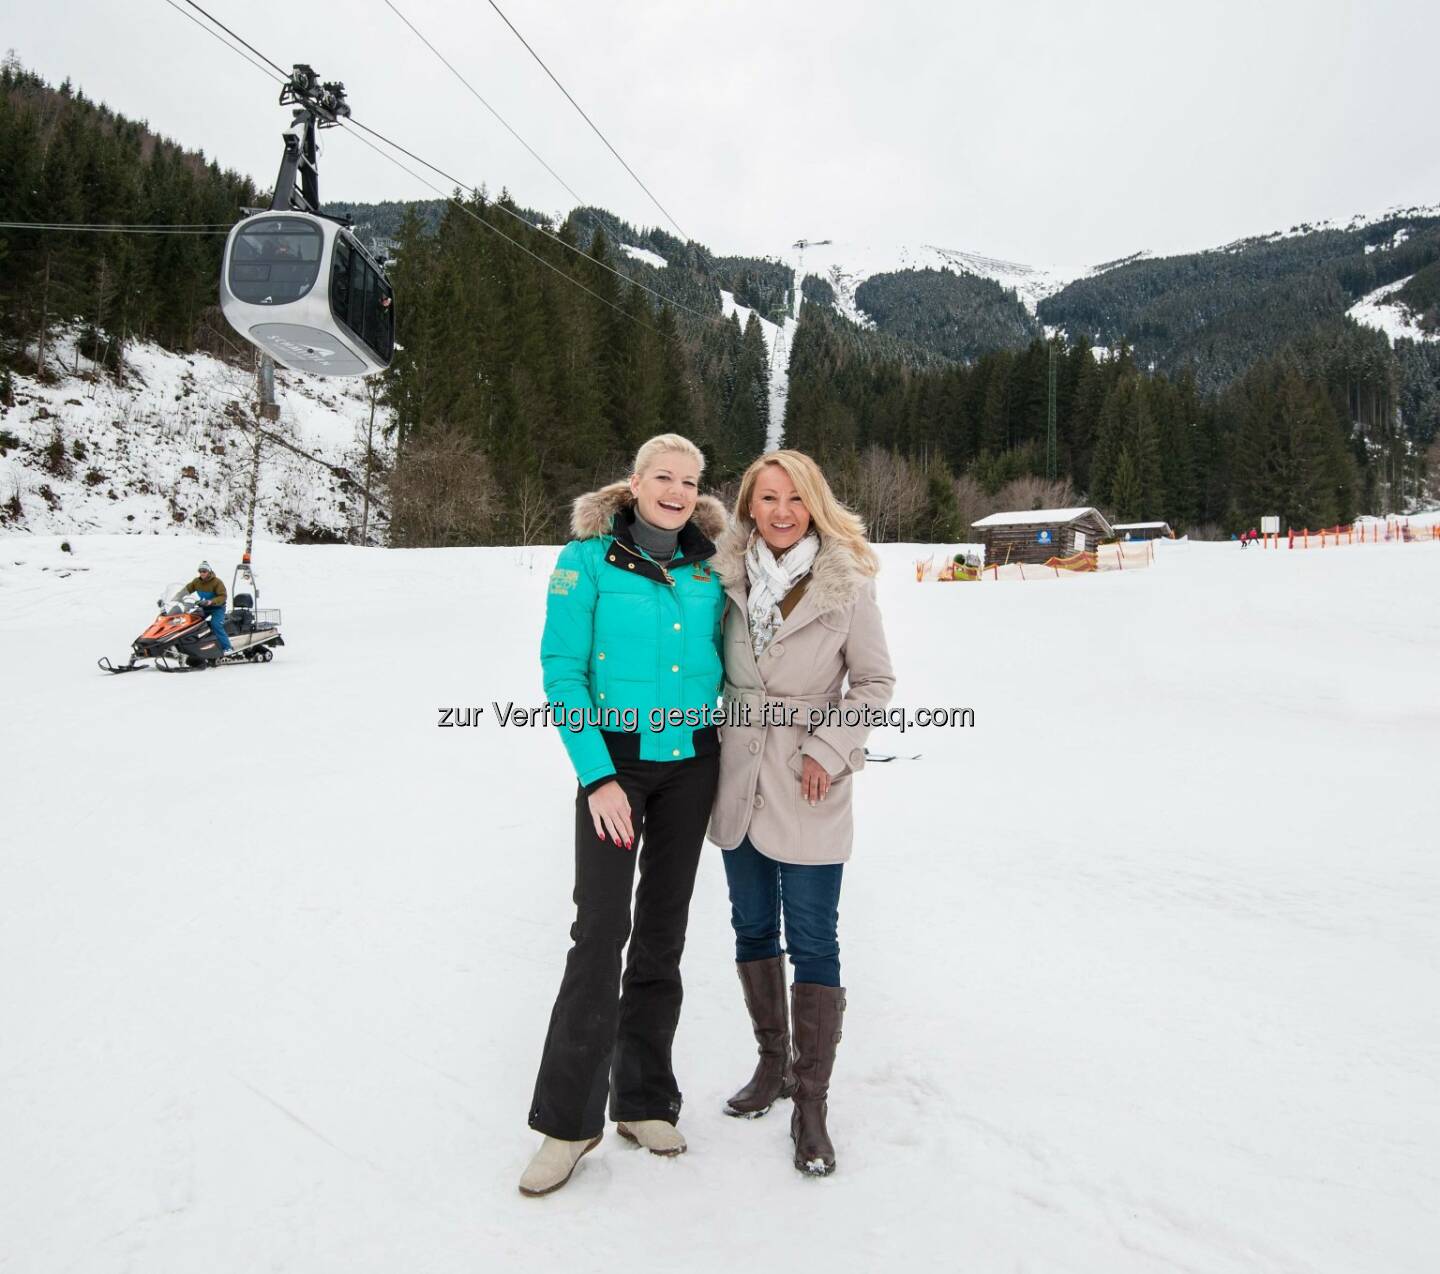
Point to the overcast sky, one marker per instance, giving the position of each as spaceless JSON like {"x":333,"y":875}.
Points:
{"x":1048,"y":133}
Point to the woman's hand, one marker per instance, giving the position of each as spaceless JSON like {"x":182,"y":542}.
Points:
{"x":814,"y":781}
{"x":610,"y":808}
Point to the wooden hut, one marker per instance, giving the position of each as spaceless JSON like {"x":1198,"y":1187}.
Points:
{"x":1036,"y":535}
{"x":1143,"y":531}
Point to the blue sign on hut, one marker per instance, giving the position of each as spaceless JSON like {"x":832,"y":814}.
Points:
{"x":1036,"y":535}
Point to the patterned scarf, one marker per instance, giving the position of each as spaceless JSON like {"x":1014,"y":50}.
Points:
{"x":771,"y":580}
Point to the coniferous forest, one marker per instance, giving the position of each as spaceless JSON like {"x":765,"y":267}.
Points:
{"x":535,"y":355}
{"x":64,"y":158}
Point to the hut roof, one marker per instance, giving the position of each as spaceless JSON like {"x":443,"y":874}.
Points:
{"x":1038,"y":517}
{"x":1138,"y":526}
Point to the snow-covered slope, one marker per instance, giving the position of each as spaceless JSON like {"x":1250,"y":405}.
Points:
{"x":169,"y":450}
{"x":1137,"y":968}
{"x":1392,"y":317}
{"x":1358,"y":221}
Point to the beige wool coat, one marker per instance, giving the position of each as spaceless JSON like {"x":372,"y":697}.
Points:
{"x":829,"y":651}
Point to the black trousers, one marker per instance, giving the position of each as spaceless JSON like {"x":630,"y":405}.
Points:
{"x":612,"y":1032}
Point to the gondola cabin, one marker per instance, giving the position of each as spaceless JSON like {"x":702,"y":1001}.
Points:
{"x":301,"y":288}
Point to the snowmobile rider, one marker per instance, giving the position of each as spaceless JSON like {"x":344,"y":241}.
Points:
{"x":210,"y":589}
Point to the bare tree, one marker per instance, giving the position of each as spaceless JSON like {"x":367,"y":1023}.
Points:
{"x":533,"y":507}
{"x":1032,"y":492}
{"x":442,"y":492}
{"x":888,"y":491}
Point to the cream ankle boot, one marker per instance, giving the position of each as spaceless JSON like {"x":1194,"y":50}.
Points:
{"x":553,"y":1163}
{"x":658,"y":1137}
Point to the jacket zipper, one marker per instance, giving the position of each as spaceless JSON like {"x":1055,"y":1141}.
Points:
{"x":645,"y":557}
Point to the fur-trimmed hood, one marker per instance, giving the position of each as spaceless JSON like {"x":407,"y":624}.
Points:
{"x":836,"y":577}
{"x":593,"y":513}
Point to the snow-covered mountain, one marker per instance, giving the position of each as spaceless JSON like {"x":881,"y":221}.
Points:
{"x":169,"y":450}
{"x":846,"y":264}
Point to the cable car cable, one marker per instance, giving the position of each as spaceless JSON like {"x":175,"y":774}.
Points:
{"x":283,"y":73}
{"x":470,"y":212}
{"x":475,"y":93}
{"x":589,"y":121}
{"x":77,"y":229}
{"x":190,"y":17}
{"x":510,"y":212}
{"x":659,"y":296}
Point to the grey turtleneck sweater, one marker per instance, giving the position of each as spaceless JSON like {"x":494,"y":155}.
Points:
{"x":655,"y":540}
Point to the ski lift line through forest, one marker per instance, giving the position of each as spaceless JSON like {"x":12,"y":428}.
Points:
{"x":470,"y":212}
{"x":476,"y":95}
{"x":515,"y":216}
{"x":589,"y":121}
{"x":190,"y":17}
{"x":675,"y":304}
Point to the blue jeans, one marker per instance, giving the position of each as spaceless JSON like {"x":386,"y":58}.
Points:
{"x":809,"y":896}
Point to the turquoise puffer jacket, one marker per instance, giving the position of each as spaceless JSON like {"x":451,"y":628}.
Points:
{"x":625,"y":636}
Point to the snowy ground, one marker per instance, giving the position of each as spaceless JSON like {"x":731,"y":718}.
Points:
{"x":1141,"y":969}
{"x":1394,"y":318}
{"x":168,"y":450}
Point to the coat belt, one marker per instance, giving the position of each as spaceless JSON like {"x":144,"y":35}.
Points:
{"x":755,"y":700}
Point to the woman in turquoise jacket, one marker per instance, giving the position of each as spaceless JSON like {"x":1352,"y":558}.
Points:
{"x":631,"y":657}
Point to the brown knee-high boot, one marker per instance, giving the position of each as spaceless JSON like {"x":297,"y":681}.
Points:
{"x":763,"y":982}
{"x":817,"y":1014}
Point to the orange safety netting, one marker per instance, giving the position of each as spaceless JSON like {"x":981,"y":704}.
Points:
{"x":1081,"y":561}
{"x":1390,"y":531}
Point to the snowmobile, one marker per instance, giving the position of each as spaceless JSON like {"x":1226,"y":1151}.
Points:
{"x":181,"y":639}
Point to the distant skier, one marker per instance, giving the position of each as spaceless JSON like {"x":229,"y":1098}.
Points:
{"x":210,"y":589}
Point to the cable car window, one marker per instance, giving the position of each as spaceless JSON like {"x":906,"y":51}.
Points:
{"x":275,"y":260}
{"x":358,"y":274}
{"x":340,"y":280}
{"x":360,"y":298}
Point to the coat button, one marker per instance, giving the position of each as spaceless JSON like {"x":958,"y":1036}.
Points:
{"x":602,"y":694}
{"x":630,"y":566}
{"x":759,"y":801}
{"x":677,"y":628}
{"x":612,"y":557}
{"x":857,"y":756}
{"x":754,"y":746}
{"x":674,"y":667}
{"x":674,"y":751}
{"x":778,"y":649}
{"x":601,"y":655}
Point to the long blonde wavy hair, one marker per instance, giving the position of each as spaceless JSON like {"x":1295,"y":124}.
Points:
{"x":831,"y":519}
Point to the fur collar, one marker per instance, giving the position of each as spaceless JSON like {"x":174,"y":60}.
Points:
{"x":593,"y":513}
{"x":836,"y":578}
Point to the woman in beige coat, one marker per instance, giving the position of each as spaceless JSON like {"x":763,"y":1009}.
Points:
{"x":806,"y":666}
